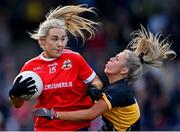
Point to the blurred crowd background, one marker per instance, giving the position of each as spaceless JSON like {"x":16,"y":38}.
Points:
{"x":157,"y":91}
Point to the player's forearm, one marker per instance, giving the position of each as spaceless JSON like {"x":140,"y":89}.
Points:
{"x":77,"y":115}
{"x":97,"y":82}
{"x":16,"y":102}
{"x":87,"y":114}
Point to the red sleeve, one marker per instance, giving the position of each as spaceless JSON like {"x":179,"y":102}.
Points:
{"x":26,"y":67}
{"x":85,"y":72}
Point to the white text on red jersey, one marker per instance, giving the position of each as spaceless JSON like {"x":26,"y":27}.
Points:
{"x":58,"y":85}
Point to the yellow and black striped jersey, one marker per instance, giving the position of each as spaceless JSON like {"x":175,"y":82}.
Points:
{"x":123,"y":108}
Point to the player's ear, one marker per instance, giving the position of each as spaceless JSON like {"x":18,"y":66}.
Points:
{"x":124,"y":71}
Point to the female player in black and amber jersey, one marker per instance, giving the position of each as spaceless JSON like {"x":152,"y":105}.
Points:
{"x":117,"y":102}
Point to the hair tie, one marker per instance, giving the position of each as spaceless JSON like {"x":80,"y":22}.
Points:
{"x":141,"y":58}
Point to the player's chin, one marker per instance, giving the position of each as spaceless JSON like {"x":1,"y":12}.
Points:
{"x":57,"y":54}
{"x":107,"y":70}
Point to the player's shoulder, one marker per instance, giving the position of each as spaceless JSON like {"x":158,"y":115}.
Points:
{"x":33,"y":59}
{"x":70,"y":52}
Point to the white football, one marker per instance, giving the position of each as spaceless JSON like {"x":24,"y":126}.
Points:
{"x":38,"y":83}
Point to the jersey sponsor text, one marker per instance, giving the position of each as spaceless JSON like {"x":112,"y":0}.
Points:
{"x":58,"y":85}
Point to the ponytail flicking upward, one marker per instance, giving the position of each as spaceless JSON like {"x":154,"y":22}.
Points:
{"x":154,"y":49}
{"x":67,"y":17}
{"x":146,"y":48}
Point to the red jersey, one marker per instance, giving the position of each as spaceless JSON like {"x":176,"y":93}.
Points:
{"x":65,"y":80}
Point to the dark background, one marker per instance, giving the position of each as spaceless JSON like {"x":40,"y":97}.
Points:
{"x":157,"y":91}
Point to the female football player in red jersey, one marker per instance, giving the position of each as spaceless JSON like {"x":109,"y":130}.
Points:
{"x":116,"y":101}
{"x":65,"y":73}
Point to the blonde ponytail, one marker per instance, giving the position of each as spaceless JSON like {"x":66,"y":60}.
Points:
{"x":68,"y":18}
{"x":155,"y":50}
{"x":145,"y":48}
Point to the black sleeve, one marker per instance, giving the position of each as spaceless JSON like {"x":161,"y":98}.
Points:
{"x":120,"y":97}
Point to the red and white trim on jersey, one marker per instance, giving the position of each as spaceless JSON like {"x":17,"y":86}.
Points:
{"x":90,"y":78}
{"x":46,"y":59}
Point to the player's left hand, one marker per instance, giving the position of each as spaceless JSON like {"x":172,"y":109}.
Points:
{"x":43,"y":112}
{"x":94,"y":93}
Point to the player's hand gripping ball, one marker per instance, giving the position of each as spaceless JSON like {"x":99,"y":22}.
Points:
{"x":27,"y":85}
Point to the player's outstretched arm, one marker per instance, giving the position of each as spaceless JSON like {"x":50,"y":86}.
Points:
{"x":86,"y":114}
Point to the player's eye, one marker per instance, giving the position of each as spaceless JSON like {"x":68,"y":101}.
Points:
{"x":64,"y":38}
{"x":117,"y":58}
{"x":54,"y":39}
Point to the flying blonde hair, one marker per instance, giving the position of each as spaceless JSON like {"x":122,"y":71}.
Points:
{"x":146,"y":48}
{"x":154,"y":49}
{"x":68,"y":17}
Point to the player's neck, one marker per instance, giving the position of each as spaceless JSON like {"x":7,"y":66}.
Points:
{"x":114,"y":78}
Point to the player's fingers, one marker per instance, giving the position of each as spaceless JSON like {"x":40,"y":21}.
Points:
{"x":18,"y":79}
{"x":39,"y":112}
{"x":30,"y":82}
{"x":26,"y":80}
{"x":32,"y":90}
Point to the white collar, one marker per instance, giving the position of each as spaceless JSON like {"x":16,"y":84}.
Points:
{"x":46,"y":59}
